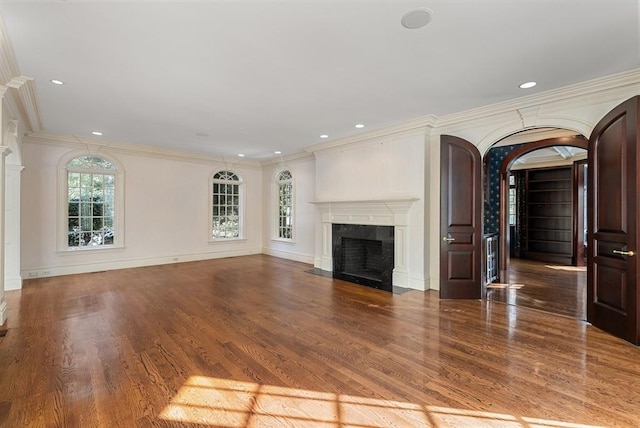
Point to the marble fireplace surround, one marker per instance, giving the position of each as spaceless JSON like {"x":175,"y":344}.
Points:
{"x":387,"y":212}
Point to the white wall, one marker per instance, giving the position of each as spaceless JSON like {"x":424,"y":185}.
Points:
{"x":380,"y":168}
{"x":301,"y":248}
{"x":166,"y":213}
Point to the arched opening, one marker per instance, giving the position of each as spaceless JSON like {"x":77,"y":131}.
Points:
{"x":542,"y":223}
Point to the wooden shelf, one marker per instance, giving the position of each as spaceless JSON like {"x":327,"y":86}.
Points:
{"x":549,"y":215}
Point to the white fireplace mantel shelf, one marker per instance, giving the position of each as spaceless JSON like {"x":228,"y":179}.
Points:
{"x":383,"y":212}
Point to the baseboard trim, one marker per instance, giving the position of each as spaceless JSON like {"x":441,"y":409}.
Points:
{"x":296,"y":257}
{"x":43,"y":272}
{"x":418,"y":284}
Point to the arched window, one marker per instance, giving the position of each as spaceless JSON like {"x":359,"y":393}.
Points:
{"x":90,"y":187}
{"x":284,"y":216}
{"x":226,"y":206}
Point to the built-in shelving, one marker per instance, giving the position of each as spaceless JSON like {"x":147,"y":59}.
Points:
{"x":549,"y":232}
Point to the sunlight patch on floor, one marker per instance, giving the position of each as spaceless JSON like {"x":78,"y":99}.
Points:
{"x":227,"y":403}
{"x":567,"y":268}
{"x":499,"y":285}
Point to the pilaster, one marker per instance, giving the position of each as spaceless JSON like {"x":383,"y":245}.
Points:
{"x":4,"y":151}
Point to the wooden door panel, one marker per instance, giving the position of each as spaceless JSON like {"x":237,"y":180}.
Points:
{"x":460,"y":220}
{"x":612,"y":268}
{"x":460,"y":265}
{"x":613,"y":297}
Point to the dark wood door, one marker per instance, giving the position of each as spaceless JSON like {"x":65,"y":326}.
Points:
{"x":612,"y":188}
{"x":460,"y":219}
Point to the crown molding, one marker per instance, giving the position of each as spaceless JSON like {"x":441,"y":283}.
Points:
{"x":594,"y":91}
{"x":24,"y":92}
{"x":8,"y":64}
{"x":600,"y":90}
{"x":94,"y":145}
{"x":411,"y":127}
{"x":287,"y":159}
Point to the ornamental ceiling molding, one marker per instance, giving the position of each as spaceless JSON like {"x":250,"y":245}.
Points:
{"x":597,"y":91}
{"x":95,"y":145}
{"x":8,"y":64}
{"x":24,"y":92}
{"x":22,"y":98}
{"x":419,"y":126}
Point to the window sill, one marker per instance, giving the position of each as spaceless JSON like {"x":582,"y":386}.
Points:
{"x":79,"y":250}
{"x":225,"y":240}
{"x":290,"y":241}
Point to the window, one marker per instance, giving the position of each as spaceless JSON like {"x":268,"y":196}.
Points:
{"x":90,"y":187}
{"x":226,"y":208}
{"x":284,"y":225}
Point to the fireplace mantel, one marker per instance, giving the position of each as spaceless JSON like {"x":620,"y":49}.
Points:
{"x":381,"y":212}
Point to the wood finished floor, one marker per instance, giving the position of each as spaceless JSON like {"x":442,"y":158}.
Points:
{"x":549,"y":287}
{"x":256,"y":342}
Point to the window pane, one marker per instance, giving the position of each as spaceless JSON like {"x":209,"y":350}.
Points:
{"x":90,"y":162}
{"x":74,"y":224}
{"x":85,"y":209}
{"x":85,"y":180}
{"x":74,"y":179}
{"x":74,"y":209}
{"x":97,"y":223}
{"x":85,"y":238}
{"x":109,"y":181}
{"x":74,"y":239}
{"x":98,"y":209}
{"x":85,"y":193}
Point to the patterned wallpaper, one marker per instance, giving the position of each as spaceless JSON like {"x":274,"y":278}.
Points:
{"x":492,"y":162}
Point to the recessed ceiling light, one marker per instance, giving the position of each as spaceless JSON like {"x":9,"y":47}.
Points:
{"x":416,"y":18}
{"x":528,"y":85}
{"x":359,"y":125}
{"x":97,"y":133}
{"x":324,"y":136}
{"x":57,"y":82}
{"x":241,"y":155}
{"x":278,"y":152}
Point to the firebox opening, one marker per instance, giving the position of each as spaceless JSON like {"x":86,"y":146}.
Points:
{"x":364,"y":254}
{"x":362,"y":257}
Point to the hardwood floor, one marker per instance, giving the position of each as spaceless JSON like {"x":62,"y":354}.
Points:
{"x":256,"y":341}
{"x":549,"y":287}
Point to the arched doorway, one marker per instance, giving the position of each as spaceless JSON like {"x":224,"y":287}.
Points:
{"x":546,"y":241}
{"x":612,"y":212}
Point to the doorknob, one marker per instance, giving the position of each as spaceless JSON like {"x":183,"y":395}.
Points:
{"x":448,"y":239}
{"x":624,"y":253}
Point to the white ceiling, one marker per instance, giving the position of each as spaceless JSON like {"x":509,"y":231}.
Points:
{"x":549,"y":156}
{"x":259,"y":76}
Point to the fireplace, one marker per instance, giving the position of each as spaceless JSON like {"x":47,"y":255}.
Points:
{"x":364,"y":254}
{"x":390,"y":214}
